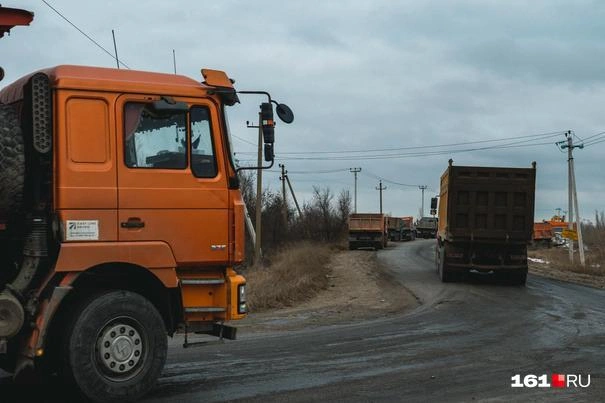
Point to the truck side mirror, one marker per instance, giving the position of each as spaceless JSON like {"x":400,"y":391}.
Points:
{"x":2,"y":75}
{"x":433,"y":203}
{"x":285,"y":113}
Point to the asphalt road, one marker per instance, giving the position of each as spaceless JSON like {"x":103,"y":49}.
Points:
{"x":463,"y":343}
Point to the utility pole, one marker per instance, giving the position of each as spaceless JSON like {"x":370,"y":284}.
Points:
{"x":423,"y":188}
{"x":283,"y":193}
{"x":259,"y":192}
{"x":381,"y":188}
{"x":293,"y":195}
{"x":355,"y":171}
{"x":572,"y":196}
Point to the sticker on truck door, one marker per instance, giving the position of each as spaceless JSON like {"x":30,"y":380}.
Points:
{"x":82,"y":230}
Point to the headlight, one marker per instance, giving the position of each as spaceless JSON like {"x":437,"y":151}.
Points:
{"x":241,"y":299}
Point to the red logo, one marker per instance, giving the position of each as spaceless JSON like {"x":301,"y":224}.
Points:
{"x":558,"y":381}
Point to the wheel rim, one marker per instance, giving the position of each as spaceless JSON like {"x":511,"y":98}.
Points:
{"x":121,"y":349}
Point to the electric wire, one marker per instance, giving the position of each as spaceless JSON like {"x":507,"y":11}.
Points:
{"x":389,"y":149}
{"x":85,"y":34}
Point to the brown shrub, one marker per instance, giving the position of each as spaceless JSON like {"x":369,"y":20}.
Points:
{"x":295,"y":274}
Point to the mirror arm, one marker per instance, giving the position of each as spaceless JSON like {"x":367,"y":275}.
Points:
{"x":255,"y":168}
{"x":259,"y":93}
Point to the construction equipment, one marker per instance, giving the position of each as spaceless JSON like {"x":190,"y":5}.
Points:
{"x":395,"y":226}
{"x":426,"y":227}
{"x":486,"y":217}
{"x":121,"y":220}
{"x":408,"y":230}
{"x":543,"y":234}
{"x":367,"y":230}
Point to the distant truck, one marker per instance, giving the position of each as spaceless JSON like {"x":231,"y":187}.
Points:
{"x":426,"y":227}
{"x":395,"y":227}
{"x":367,"y":230}
{"x":543,"y":234}
{"x":408,"y":230}
{"x":486,"y":218}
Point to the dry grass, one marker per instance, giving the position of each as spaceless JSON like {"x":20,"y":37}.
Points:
{"x":558,"y":259}
{"x":294,"y":275}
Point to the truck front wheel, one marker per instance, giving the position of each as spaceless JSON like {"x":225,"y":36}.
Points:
{"x":116,"y":347}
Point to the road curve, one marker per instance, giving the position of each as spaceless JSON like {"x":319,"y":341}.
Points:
{"x":464,"y":342}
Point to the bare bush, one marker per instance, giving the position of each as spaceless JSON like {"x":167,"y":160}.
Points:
{"x":296,"y":274}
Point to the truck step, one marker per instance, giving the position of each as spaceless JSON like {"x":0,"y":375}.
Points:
{"x":203,"y":281}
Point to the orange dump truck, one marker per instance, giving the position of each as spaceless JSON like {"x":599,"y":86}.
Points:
{"x":121,"y":220}
{"x":408,"y":232}
{"x":543,"y":233}
{"x":367,"y":230}
{"x":395,"y":225}
{"x":486,"y":217}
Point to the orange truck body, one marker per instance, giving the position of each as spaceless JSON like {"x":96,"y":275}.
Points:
{"x":367,"y":230}
{"x":170,"y":235}
{"x":408,"y":232}
{"x":543,"y":231}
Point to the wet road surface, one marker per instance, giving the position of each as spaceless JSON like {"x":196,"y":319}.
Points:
{"x":463,"y":343}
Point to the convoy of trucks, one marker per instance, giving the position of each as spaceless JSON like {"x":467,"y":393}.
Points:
{"x":121,"y":221}
{"x":486,"y":217}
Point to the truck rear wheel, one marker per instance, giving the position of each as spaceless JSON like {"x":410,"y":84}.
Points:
{"x":12,"y":160}
{"x":116,"y":347}
{"x":444,"y":274}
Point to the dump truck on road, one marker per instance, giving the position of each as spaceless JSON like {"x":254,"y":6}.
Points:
{"x":367,"y":230}
{"x":486,"y":218}
{"x":426,"y":227}
{"x":121,"y":221}
{"x":395,"y":227}
{"x":408,"y":230}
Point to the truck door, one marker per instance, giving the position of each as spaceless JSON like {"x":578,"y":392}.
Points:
{"x":172,"y":185}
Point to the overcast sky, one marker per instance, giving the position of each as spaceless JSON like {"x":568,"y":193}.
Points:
{"x":369,"y":75}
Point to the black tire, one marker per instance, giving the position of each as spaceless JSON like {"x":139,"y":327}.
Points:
{"x":445,"y":275}
{"x":518,"y":277}
{"x":115,"y":348}
{"x":12,"y":161}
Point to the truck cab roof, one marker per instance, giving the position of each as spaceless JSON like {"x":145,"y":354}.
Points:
{"x":109,"y":79}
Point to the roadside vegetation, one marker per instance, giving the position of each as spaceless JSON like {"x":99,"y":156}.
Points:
{"x":297,"y":248}
{"x":295,"y":274}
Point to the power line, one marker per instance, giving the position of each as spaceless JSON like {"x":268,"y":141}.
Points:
{"x":594,"y":142}
{"x":245,"y":141}
{"x":85,"y":34}
{"x":418,"y":154}
{"x":534,"y":136}
{"x":594,"y":135}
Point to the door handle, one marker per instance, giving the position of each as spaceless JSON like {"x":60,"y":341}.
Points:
{"x":133,"y":223}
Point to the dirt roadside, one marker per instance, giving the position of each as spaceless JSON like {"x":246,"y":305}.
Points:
{"x":359,"y":288}
{"x":553,"y":263}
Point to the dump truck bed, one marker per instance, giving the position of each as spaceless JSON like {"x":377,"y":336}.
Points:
{"x":487,"y":203}
{"x":366,"y":222}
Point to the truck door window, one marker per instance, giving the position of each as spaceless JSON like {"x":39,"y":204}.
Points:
{"x":203,"y":161}
{"x":153,"y":141}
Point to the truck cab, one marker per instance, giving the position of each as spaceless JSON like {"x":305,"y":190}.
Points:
{"x":121,"y":222}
